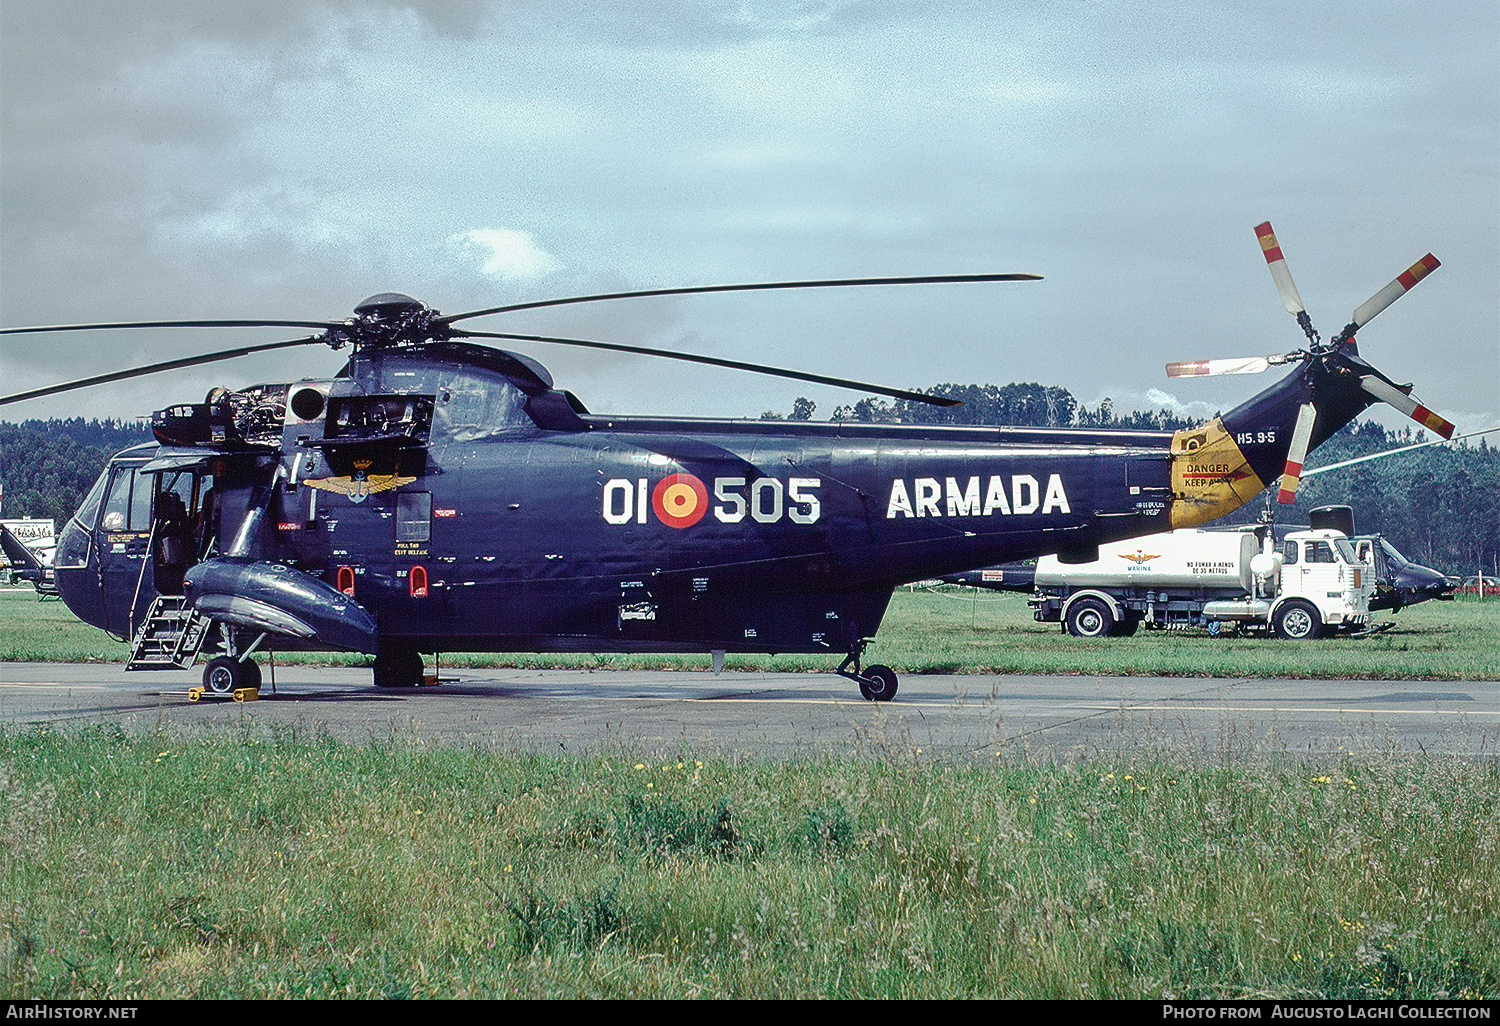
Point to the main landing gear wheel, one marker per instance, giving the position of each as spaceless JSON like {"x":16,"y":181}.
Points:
{"x":878,"y":683}
{"x":225,"y":675}
{"x":399,"y":668}
{"x":1090,"y":618}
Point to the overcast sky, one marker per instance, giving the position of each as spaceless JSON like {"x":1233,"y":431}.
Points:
{"x":286,"y":159}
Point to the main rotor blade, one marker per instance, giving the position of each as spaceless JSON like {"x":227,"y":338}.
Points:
{"x":1297,"y":454}
{"x":714,"y":361}
{"x":946,"y":279}
{"x":155,"y":368}
{"x":171,"y":324}
{"x":1403,"y":284}
{"x":1407,"y":405}
{"x":1279,"y":271}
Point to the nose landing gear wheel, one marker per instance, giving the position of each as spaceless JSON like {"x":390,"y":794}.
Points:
{"x":878,"y":683}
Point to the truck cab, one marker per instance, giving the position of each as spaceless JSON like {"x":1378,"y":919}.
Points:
{"x":1323,"y":585}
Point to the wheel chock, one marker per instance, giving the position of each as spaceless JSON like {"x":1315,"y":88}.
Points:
{"x":194,"y":694}
{"x":246,"y":694}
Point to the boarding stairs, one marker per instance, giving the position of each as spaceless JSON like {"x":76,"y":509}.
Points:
{"x":170,"y":636}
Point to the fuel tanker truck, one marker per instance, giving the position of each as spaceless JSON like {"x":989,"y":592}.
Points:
{"x":1309,"y":584}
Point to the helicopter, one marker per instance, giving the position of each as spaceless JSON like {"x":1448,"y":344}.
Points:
{"x":439,"y":495}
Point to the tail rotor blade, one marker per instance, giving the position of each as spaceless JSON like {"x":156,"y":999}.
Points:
{"x":1301,"y":437}
{"x":1403,"y":284}
{"x":1406,"y":404}
{"x":1207,"y":368}
{"x":1243,"y":365}
{"x":1279,"y":271}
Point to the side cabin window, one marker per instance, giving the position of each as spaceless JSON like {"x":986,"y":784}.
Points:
{"x":1289,"y":551}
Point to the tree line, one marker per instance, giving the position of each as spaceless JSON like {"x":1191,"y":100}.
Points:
{"x":47,"y":466}
{"x":1439,"y":505}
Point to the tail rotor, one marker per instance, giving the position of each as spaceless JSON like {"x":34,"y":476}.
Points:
{"x":1337,"y":363}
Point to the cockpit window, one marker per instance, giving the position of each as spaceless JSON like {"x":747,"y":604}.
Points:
{"x":88,"y":512}
{"x":128,"y":506}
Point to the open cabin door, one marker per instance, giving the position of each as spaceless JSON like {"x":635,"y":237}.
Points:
{"x":184,"y":514}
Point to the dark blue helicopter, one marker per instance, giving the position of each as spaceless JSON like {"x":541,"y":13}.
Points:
{"x":438,"y":495}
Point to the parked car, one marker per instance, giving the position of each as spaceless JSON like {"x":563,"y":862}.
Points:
{"x":1470,"y":586}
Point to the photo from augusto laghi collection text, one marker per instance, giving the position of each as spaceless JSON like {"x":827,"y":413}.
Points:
{"x":1328,"y":1010}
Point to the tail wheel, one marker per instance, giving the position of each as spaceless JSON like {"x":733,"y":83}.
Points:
{"x":398,"y":668}
{"x":1298,"y":621}
{"x":1090,"y":618}
{"x":225,"y":675}
{"x":878,"y":683}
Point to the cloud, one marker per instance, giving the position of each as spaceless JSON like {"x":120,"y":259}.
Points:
{"x":505,"y":254}
{"x":1153,"y":399}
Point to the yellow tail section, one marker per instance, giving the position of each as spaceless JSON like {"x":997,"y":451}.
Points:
{"x":1210,"y":475}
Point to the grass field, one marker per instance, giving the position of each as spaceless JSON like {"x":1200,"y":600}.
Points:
{"x":272,"y":865}
{"x":269,"y":862}
{"x":963,"y":631}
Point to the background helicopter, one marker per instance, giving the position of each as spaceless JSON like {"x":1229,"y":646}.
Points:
{"x":438,"y":495}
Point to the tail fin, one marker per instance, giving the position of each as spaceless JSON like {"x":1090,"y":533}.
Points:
{"x":25,"y":564}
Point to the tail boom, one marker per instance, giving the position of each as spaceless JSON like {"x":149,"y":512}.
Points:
{"x":1219,"y":467}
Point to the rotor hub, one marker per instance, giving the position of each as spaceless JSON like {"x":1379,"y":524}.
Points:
{"x":385,"y":320}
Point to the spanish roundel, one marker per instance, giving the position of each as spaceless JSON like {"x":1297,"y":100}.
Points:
{"x":680,"y":500}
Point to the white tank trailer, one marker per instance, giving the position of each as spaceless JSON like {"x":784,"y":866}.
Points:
{"x":1308,"y":585}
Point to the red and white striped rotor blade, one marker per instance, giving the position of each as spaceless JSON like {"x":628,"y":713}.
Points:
{"x":1279,"y":271}
{"x":1301,"y":437}
{"x":1407,"y":405}
{"x":1205,"y":368}
{"x":1403,"y":284}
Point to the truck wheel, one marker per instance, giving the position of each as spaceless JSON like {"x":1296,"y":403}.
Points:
{"x":1090,"y":618}
{"x":1127,"y":627}
{"x":1298,"y":621}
